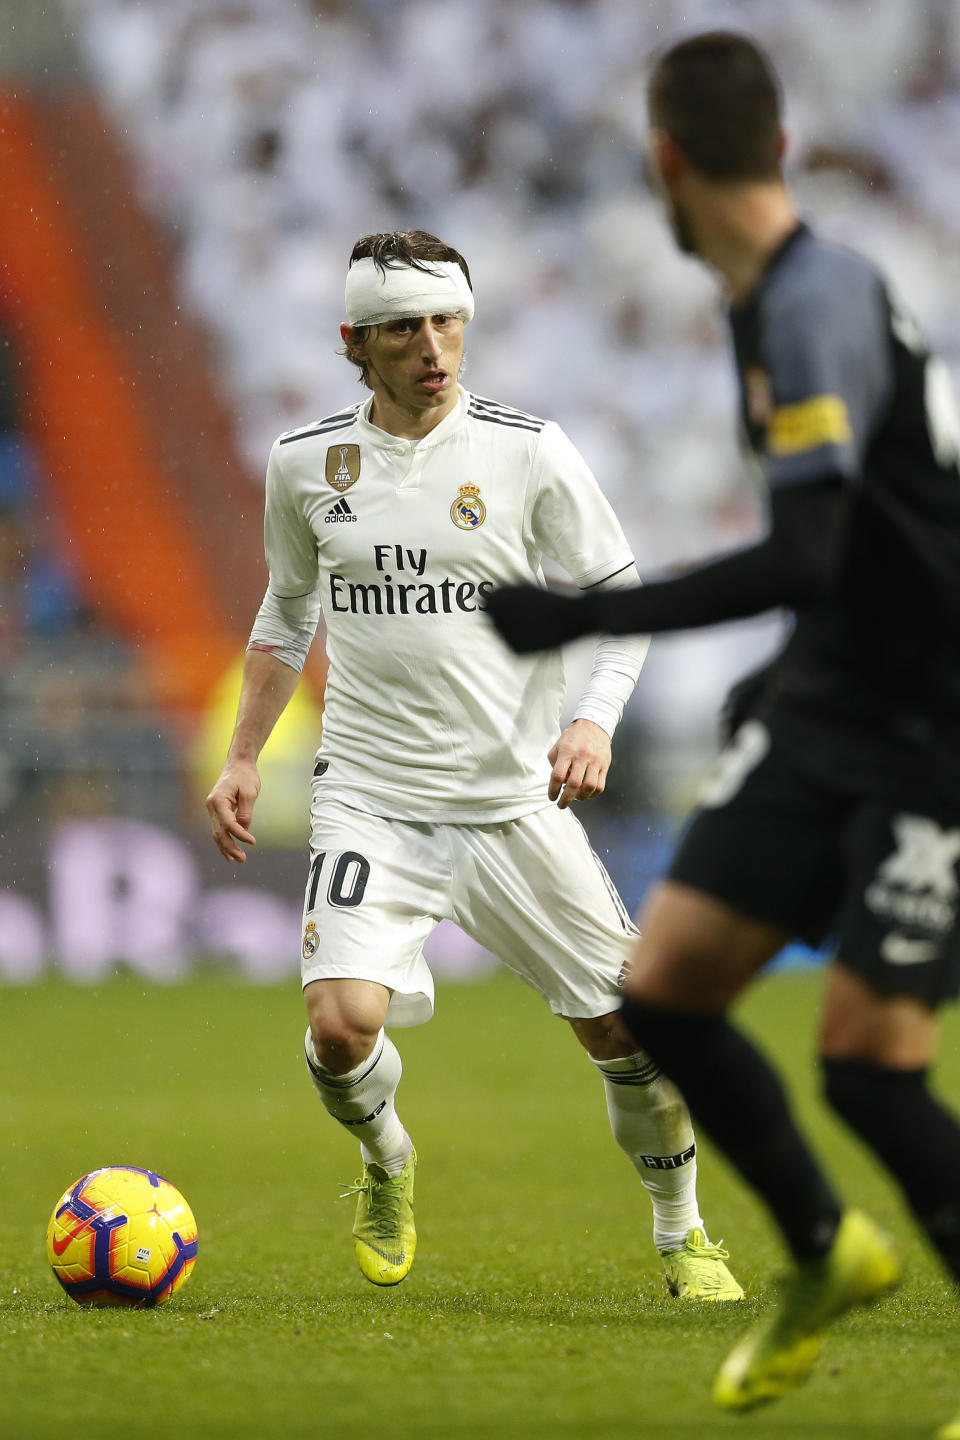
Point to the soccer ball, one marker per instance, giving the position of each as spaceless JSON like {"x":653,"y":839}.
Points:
{"x":122,"y":1236}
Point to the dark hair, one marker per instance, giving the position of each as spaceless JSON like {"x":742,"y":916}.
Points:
{"x":394,"y":250}
{"x":718,"y":98}
{"x":415,"y":248}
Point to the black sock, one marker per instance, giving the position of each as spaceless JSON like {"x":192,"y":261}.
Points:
{"x":738,"y":1100}
{"x":913,"y":1134}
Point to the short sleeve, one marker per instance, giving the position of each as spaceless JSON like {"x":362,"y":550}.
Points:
{"x":572,"y":520}
{"x":289,"y":543}
{"x":826,"y":343}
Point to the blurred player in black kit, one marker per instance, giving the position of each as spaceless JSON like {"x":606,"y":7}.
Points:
{"x":835,"y":810}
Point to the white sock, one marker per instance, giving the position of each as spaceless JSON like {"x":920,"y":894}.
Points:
{"x":651,"y":1124}
{"x":362,"y":1101}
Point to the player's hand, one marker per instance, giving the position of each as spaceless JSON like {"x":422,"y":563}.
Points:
{"x":530,"y":618}
{"x":580,"y":760}
{"x":742,"y":699}
{"x":230,"y":807}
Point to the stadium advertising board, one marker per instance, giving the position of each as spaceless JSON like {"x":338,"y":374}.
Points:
{"x":102,"y":892}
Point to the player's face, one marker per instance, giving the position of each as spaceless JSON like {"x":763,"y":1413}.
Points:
{"x":416,"y":361}
{"x":679,"y":225}
{"x":661,"y":167}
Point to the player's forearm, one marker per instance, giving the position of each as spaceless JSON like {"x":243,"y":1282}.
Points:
{"x":799,"y":564}
{"x":744,"y":583}
{"x":268,"y":685}
{"x":287,"y":625}
{"x":796,"y":565}
{"x":617,"y":662}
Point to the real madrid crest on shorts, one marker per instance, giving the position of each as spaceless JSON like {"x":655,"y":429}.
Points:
{"x":311,"y":940}
{"x":342,"y":468}
{"x":468,"y":511}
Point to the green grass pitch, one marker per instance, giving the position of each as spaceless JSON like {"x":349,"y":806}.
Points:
{"x":536,"y":1307}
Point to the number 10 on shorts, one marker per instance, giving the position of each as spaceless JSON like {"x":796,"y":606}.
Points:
{"x":348,"y":876}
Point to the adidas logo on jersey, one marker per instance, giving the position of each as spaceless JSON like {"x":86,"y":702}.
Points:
{"x":340,"y":511}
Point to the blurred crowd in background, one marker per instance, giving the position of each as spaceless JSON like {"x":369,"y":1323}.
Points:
{"x":78,"y":733}
{"x":271,"y":133}
{"x":267,"y":135}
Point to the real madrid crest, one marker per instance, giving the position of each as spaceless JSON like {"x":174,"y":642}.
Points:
{"x":342,"y":468}
{"x":311,"y":940}
{"x":468,"y":511}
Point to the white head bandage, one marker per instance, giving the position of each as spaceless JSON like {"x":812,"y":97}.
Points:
{"x":373,"y":295}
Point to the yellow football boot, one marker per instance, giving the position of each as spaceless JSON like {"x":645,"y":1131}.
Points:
{"x":950,"y":1431}
{"x":697,"y":1271}
{"x":384,"y":1235}
{"x":859,"y":1266}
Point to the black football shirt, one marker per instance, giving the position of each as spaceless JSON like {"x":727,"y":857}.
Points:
{"x":837,"y":380}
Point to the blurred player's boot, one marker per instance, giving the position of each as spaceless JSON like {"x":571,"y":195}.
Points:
{"x":697,"y":1271}
{"x":859,"y":1266}
{"x":384,"y":1235}
{"x":950,"y":1431}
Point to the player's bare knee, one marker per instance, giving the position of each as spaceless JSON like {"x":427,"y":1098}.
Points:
{"x":658,"y":974}
{"x":861,"y":1023}
{"x":339,"y":1045}
{"x":604,"y":1037}
{"x":596,"y":1035}
{"x":343,"y":1036}
{"x":695,"y":952}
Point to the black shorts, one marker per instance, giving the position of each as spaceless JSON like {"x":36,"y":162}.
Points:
{"x":823,"y":859}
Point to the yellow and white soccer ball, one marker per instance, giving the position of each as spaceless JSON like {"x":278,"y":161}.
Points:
{"x":122,"y":1236}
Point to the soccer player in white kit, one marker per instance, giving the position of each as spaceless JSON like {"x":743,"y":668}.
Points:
{"x":433,"y":792}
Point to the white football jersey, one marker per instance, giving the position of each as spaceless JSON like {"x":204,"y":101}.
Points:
{"x":428,"y":716}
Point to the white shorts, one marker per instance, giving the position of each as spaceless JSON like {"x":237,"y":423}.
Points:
{"x":530,"y":890}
